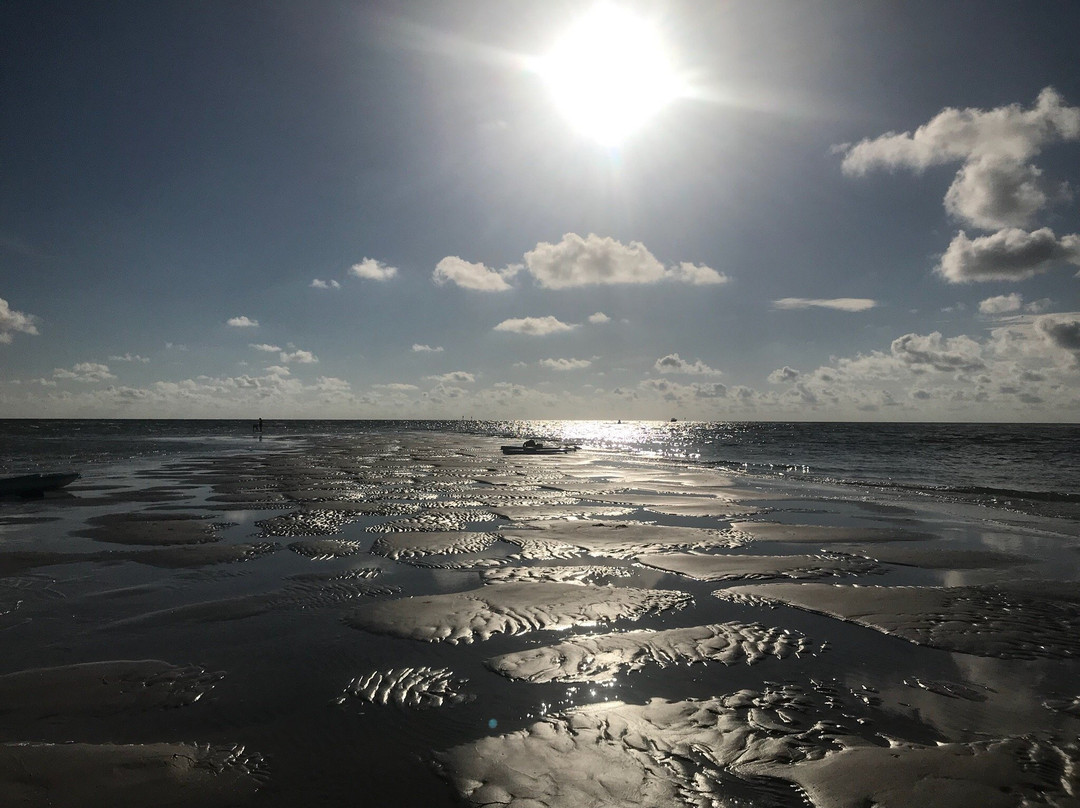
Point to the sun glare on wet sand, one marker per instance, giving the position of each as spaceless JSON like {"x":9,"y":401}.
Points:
{"x":609,"y":73}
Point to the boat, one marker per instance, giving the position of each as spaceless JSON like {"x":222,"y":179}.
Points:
{"x":35,"y":485}
{"x":538,"y":448}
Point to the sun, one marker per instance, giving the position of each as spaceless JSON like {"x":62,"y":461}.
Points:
{"x":609,"y":73}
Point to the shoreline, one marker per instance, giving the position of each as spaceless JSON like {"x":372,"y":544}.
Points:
{"x":353,"y":591}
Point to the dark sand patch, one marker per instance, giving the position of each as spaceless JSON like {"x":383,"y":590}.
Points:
{"x":326,"y":549}
{"x":412,"y":545}
{"x":157,"y":529}
{"x":985,"y":621}
{"x":419,"y":688}
{"x":303,"y":591}
{"x":101,"y":688}
{"x":601,"y":657}
{"x":931,"y":556}
{"x":195,"y":556}
{"x":952,"y":690}
{"x":824,"y":534}
{"x":580,"y":574}
{"x":732,"y":567}
{"x":165,"y":775}
{"x":511,"y":608}
{"x":585,"y":510}
{"x":624,"y":540}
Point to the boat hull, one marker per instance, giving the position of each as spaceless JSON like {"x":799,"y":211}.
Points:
{"x":35,"y":485}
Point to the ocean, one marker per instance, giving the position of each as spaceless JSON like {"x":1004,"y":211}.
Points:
{"x":1030,"y":467}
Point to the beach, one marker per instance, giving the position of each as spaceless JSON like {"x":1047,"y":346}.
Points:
{"x":411,"y":617}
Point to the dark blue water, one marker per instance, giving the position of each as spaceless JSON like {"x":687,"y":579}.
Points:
{"x":1033,"y":462}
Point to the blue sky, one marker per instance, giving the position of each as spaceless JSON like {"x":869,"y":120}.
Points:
{"x":346,"y":209}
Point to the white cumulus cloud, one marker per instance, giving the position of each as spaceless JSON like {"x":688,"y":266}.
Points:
{"x":14,"y":322}
{"x":418,"y":348}
{"x":673,"y":363}
{"x":129,"y":357}
{"x":86,"y":372}
{"x":454,"y":377}
{"x":939,"y":353}
{"x":262,"y":346}
{"x":599,"y":318}
{"x":373,"y":270}
{"x":1008,"y":255}
{"x":534,"y":326}
{"x":696,"y":274}
{"x":319,"y":284}
{"x":472,"y":276}
{"x":836,"y":303}
{"x":300,"y":357}
{"x":242,"y":322}
{"x":784,"y":375}
{"x":1002,"y":304}
{"x":565,"y":364}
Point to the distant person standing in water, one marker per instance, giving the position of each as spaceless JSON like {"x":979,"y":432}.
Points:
{"x":257,"y":428}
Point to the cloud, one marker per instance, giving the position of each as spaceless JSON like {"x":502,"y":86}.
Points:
{"x":954,"y":134}
{"x":472,"y":276}
{"x":534,"y":326}
{"x":262,"y":346}
{"x":129,"y":357}
{"x":373,"y":270}
{"x":318,"y":284}
{"x":417,"y":348}
{"x":1008,"y":255}
{"x":1002,"y":304}
{"x":837,"y":303}
{"x":300,"y":357}
{"x":396,"y":387}
{"x":454,"y":377}
{"x":565,"y":364}
{"x":996,"y":186}
{"x":593,"y":260}
{"x":86,"y":372}
{"x":698,"y":275}
{"x":784,"y":375}
{"x":278,"y":370}
{"x":599,"y":318}
{"x":242,"y":322}
{"x":937,"y":352}
{"x":996,"y":192}
{"x":14,"y":322}
{"x":1062,"y":332}
{"x":672,"y":363}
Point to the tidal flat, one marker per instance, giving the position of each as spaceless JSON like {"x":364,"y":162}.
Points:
{"x":416,"y":619}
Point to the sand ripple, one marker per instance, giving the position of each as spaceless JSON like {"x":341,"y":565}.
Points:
{"x":599,"y":658}
{"x":421,"y":687}
{"x":581,"y":574}
{"x":511,"y":608}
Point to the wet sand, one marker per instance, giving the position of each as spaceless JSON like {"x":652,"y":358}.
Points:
{"x":419,"y":620}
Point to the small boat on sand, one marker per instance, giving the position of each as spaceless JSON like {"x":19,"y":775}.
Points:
{"x":35,"y":485}
{"x":536,"y":447}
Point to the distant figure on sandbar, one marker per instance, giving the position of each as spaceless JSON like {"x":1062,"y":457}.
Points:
{"x":257,"y":428}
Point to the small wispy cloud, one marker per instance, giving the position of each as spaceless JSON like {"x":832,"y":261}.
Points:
{"x":534,"y":326}
{"x":418,"y":348}
{"x":242,"y":322}
{"x":129,"y":357}
{"x":373,"y":270}
{"x":599,"y":318}
{"x":396,"y":387}
{"x":320,"y":284}
{"x":836,"y":303}
{"x":262,"y":346}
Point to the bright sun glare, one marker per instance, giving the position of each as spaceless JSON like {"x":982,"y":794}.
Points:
{"x":609,"y":74}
